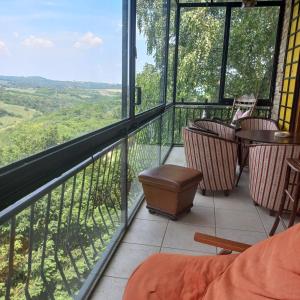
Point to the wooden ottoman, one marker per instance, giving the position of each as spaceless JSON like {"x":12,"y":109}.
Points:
{"x":170,"y":190}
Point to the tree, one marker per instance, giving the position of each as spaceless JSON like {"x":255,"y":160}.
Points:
{"x":250,"y":57}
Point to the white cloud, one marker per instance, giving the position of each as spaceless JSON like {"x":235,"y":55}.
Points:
{"x":88,"y":40}
{"x":37,"y":42}
{"x":3,"y":48}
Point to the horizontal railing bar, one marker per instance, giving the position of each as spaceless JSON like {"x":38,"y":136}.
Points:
{"x":211,"y":106}
{"x":222,"y":104}
{"x":229,"y":4}
{"x":26,"y":201}
{"x":21,"y":178}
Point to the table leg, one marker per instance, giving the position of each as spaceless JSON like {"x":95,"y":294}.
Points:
{"x":242,"y":165}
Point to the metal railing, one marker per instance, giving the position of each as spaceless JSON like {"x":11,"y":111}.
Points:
{"x":56,"y":241}
{"x":187,"y":113}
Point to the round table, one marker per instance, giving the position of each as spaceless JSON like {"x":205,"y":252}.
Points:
{"x":264,"y":137}
{"x":267,"y":136}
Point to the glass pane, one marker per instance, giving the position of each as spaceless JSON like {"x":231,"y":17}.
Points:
{"x":166,"y":133}
{"x":172,"y":41}
{"x":251,"y":49}
{"x":61,"y":72}
{"x":200,"y":54}
{"x":143,"y":153}
{"x":150,"y":44}
{"x":60,"y":238}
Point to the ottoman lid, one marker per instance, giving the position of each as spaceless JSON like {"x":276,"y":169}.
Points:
{"x":171,"y":177}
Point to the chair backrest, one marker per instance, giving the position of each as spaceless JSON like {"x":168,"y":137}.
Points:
{"x":223,"y":130}
{"x":256,"y":123}
{"x":244,"y":103}
{"x":215,"y":157}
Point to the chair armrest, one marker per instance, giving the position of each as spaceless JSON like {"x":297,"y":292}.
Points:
{"x":220,"y":242}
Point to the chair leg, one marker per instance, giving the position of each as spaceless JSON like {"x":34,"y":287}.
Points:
{"x":282,"y":202}
{"x":203,"y":192}
{"x":255,"y":203}
{"x":226,"y":193}
{"x":295,"y":206}
{"x":272,"y":213}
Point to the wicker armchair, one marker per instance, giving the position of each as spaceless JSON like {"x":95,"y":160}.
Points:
{"x":223,"y":130}
{"x":267,"y":173}
{"x":256,"y":123}
{"x":214,"y":156}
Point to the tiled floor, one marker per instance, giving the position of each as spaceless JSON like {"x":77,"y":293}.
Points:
{"x":234,"y":217}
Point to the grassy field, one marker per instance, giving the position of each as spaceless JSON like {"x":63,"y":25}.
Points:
{"x":34,"y":119}
{"x":11,"y":114}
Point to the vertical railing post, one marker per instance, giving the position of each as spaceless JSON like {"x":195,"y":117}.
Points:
{"x":125,"y":59}
{"x":132,"y":56}
{"x":10,"y":257}
{"x":166,"y":60}
{"x":177,"y":24}
{"x":124,"y":181}
{"x":225,"y":53}
{"x":160,"y":129}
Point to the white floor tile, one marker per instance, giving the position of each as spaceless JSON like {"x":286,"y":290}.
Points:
{"x":242,"y":236}
{"x":207,"y":200}
{"x":238,"y":199}
{"x":181,"y":236}
{"x":144,"y":214}
{"x":109,"y":288}
{"x":184,"y":252}
{"x":235,"y":219}
{"x":200,"y":215}
{"x":127,"y":258}
{"x":268,"y":220}
{"x":146,"y":232}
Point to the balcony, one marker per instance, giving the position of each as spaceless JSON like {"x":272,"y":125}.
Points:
{"x":234,"y":217}
{"x":73,"y":221}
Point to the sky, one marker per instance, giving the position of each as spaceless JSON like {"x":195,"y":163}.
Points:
{"x":64,"y":39}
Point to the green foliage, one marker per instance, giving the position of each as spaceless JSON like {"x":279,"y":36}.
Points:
{"x":200,"y":52}
{"x":72,"y":227}
{"x":47,"y":118}
{"x":149,"y":80}
{"x":251,"y":49}
{"x":250,"y":56}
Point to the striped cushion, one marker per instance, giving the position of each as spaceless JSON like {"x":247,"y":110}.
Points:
{"x":267,"y":173}
{"x":222,"y":130}
{"x":214,"y":157}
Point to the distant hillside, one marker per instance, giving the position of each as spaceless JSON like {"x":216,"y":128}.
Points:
{"x":40,"y":82}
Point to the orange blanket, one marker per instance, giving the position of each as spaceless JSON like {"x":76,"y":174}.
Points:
{"x":267,"y":270}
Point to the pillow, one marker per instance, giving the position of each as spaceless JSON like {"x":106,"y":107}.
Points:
{"x":268,"y":270}
{"x":246,"y":114}
{"x":238,"y":114}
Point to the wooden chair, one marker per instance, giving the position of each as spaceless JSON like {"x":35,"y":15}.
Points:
{"x":292,"y":165}
{"x":243,"y":103}
{"x":227,"y":245}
